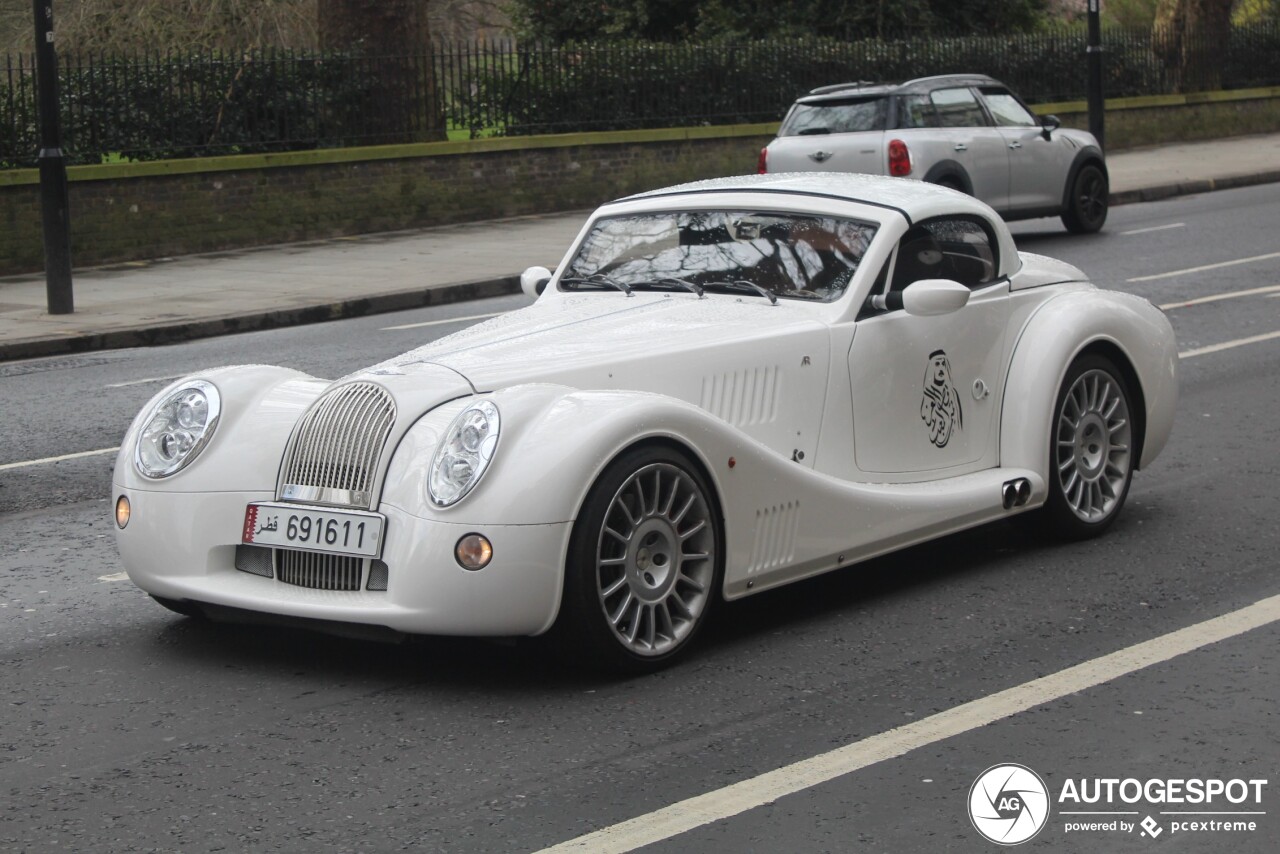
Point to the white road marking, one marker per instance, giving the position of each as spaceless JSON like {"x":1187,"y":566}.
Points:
{"x":445,"y":320}
{"x":768,"y":787}
{"x":1201,"y":269}
{"x":1215,"y":297}
{"x":26,"y":463}
{"x":1227,"y":345}
{"x":1155,"y":228}
{"x":117,"y":576}
{"x":144,"y":381}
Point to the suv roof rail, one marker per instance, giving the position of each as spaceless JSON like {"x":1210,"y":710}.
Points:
{"x":856,"y":84}
{"x":959,"y":76}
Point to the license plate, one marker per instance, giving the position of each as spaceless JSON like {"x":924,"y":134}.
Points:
{"x":315,"y":529}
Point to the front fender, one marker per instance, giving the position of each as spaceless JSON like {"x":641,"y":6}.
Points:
{"x":1053,"y":337}
{"x":554,"y":442}
{"x":1088,"y":154}
{"x":260,"y":405}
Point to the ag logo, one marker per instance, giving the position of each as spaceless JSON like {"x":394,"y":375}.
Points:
{"x":1008,"y":804}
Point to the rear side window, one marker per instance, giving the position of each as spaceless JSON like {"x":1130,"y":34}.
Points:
{"x":957,"y":108}
{"x":839,"y":116}
{"x":916,"y":111}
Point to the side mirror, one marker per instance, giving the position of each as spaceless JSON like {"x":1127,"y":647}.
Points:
{"x":533,"y":281}
{"x":1048,"y":124}
{"x":931,"y":297}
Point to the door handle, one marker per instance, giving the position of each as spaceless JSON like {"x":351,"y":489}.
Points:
{"x":960,"y":146}
{"x":1015,"y":144}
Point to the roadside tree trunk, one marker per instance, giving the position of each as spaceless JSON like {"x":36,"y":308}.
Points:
{"x":1190,"y":37}
{"x":388,"y":43}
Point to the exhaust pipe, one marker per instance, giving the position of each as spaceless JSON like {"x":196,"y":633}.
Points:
{"x":1015,"y":493}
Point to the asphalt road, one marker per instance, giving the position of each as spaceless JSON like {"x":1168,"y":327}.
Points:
{"x":128,"y":728}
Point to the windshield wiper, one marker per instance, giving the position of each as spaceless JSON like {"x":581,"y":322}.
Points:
{"x":691,"y":287}
{"x":743,"y":284}
{"x":813,"y":131}
{"x":599,"y":280}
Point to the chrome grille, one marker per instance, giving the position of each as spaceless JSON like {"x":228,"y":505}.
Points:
{"x":333,"y":452}
{"x":318,"y":571}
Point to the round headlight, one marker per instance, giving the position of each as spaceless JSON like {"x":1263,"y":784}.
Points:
{"x":177,"y":428}
{"x":464,"y":454}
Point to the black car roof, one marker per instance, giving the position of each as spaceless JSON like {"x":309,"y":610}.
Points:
{"x":919,"y":86}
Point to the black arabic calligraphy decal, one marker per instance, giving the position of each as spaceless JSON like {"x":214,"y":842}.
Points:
{"x":940,"y":409}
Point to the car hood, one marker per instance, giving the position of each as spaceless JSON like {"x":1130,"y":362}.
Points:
{"x":612,"y":341}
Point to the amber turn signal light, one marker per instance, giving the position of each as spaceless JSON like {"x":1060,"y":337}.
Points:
{"x":474,"y":551}
{"x":122,"y":511}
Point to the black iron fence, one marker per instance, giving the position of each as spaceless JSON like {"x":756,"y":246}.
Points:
{"x":164,"y":106}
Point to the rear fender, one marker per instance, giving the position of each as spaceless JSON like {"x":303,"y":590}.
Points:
{"x":1123,"y":326}
{"x":945,"y":169}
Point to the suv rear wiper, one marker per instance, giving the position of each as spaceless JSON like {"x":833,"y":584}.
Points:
{"x":813,"y":131}
{"x":599,"y":280}
{"x":743,"y":284}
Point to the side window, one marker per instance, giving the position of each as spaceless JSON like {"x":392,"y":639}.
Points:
{"x":958,"y":108}
{"x":948,"y":248}
{"x":1007,"y":111}
{"x":916,"y":111}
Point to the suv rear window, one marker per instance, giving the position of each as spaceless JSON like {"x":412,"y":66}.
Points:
{"x":845,"y":115}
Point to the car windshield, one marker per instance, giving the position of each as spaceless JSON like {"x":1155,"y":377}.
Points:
{"x":846,"y":115}
{"x":763,"y":254}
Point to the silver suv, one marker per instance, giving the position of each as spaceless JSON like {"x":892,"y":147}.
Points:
{"x":964,"y":131}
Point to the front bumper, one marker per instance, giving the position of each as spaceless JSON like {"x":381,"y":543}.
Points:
{"x":183,"y":546}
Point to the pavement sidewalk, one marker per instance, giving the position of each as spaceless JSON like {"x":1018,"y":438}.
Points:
{"x":156,"y":302}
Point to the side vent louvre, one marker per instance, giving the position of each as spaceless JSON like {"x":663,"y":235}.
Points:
{"x":743,"y":398}
{"x":774,"y":543}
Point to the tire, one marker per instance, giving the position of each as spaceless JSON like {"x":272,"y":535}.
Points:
{"x":1091,"y":450}
{"x":950,"y":184}
{"x":1086,"y":209}
{"x":645,"y":563}
{"x":181,"y":606}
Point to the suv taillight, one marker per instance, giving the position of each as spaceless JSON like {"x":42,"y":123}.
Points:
{"x":899,"y":159}
{"x":762,"y":165}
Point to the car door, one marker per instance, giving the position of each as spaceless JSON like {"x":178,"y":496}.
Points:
{"x":926,"y":389}
{"x":1037,"y":166}
{"x":964,"y":135}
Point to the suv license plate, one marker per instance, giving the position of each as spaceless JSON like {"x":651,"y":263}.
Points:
{"x":315,"y":529}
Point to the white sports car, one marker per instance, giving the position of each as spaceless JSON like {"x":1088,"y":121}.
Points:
{"x":726,"y":386}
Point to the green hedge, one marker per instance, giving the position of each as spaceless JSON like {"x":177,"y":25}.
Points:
{"x":160,"y":107}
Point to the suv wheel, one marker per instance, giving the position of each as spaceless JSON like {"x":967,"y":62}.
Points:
{"x":1087,"y":202}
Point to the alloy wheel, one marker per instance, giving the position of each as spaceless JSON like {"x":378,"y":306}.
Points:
{"x":655,"y":559}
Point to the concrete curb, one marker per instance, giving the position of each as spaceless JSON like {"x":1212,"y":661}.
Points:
{"x":1188,"y":188}
{"x":149,"y":336}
